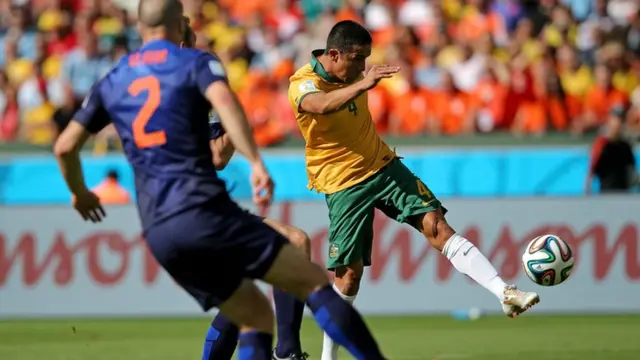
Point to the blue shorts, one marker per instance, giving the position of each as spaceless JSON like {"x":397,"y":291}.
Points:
{"x":210,"y":249}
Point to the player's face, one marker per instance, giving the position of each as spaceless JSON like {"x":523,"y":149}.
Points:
{"x":349,"y":65}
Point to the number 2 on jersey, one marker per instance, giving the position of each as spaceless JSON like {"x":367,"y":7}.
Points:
{"x":141,"y":137}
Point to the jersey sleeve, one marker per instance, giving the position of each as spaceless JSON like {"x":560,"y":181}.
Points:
{"x":92,"y":114}
{"x":215,"y":126}
{"x":300,"y":88}
{"x":208,"y":70}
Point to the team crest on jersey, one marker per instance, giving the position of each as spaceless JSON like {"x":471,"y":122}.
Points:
{"x":306,"y":86}
{"x":333,"y":251}
{"x":216,"y":68}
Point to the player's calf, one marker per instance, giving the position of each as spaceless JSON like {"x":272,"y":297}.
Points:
{"x":291,"y":270}
{"x":249,"y":308}
{"x":467,"y":259}
{"x":347,"y":278}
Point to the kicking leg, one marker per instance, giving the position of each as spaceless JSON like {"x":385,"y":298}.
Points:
{"x":347,"y":285}
{"x":289,"y":309}
{"x":467,"y":259}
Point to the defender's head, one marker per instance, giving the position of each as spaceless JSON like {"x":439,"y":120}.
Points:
{"x":348,"y":47}
{"x":161,"y":19}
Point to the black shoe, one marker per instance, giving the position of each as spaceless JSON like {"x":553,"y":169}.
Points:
{"x":303,"y":356}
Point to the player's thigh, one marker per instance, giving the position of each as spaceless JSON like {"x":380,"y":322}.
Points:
{"x":249,"y":308}
{"x":293,"y":272}
{"x":209,"y":251}
{"x":296,"y":236}
{"x":351,"y":213}
{"x":404,"y":197}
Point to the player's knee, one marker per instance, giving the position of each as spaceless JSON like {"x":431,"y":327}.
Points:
{"x":436,"y":229}
{"x":348,"y":278}
{"x":300,"y":239}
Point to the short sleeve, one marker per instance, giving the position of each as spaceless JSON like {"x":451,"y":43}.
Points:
{"x":300,"y":88}
{"x":208,"y":70}
{"x":215,"y":126}
{"x":92,"y":114}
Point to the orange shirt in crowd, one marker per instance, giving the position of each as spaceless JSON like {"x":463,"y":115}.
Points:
{"x":409,"y":113}
{"x":258,"y":103}
{"x":474,"y":25}
{"x":450,"y":111}
{"x":110,"y":192}
{"x":489,"y":98}
{"x":599,"y":102}
{"x":379,"y":108}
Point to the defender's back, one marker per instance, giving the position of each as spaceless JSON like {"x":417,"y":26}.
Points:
{"x":154,"y":98}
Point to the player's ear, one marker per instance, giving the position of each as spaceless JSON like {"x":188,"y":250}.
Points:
{"x":333,"y":54}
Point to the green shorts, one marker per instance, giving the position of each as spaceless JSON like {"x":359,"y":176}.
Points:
{"x":394,"y":190}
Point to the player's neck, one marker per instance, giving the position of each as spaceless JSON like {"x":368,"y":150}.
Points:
{"x":158,"y":35}
{"x":326,"y":65}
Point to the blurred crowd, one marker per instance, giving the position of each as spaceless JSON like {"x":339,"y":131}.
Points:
{"x":468,"y":66}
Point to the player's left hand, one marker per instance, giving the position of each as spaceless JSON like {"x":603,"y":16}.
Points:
{"x":262,"y":185}
{"x":89,"y":207}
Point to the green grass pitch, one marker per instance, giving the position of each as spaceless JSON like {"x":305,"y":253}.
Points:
{"x":402,"y":338}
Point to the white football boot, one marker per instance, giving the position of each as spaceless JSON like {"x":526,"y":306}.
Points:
{"x":517,"y":301}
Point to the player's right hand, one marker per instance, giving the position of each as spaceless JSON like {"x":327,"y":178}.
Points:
{"x":89,"y":207}
{"x":262,"y":185}
{"x":377,"y":73}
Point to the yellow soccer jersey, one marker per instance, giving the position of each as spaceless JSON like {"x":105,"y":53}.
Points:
{"x":342,"y":148}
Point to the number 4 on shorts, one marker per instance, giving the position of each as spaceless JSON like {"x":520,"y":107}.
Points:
{"x":423,"y":190}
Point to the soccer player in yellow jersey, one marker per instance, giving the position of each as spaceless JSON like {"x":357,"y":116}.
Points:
{"x":348,"y":162}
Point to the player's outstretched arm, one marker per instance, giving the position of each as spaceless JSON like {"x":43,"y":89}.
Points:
{"x":325,"y":103}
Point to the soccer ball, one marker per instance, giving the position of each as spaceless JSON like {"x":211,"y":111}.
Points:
{"x":548,"y":260}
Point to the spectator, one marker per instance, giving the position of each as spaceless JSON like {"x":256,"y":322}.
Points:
{"x":83,"y":67}
{"x":452,"y":111}
{"x":525,"y":66}
{"x":600,"y":100}
{"x":9,"y":111}
{"x":110,"y":191}
{"x":612,"y":159}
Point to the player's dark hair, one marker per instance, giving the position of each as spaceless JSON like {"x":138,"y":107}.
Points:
{"x":346,"y":34}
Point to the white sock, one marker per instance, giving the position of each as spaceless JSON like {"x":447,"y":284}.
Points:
{"x":329,"y":348}
{"x":467,"y":259}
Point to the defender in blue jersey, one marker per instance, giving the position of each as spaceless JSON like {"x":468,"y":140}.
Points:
{"x":222,"y":336}
{"x":158,"y":99}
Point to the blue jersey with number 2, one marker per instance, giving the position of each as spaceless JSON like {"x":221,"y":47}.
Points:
{"x":155,"y":99}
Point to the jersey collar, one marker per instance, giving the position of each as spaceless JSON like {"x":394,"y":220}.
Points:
{"x":319,"y":69}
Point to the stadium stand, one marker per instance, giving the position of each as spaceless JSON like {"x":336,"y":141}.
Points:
{"x":469,"y":66}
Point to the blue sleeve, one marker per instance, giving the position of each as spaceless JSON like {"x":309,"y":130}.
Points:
{"x":208,"y":69}
{"x":92,"y":114}
{"x":215,"y":126}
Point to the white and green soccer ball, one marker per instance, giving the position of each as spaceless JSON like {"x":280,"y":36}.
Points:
{"x":548,"y":260}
